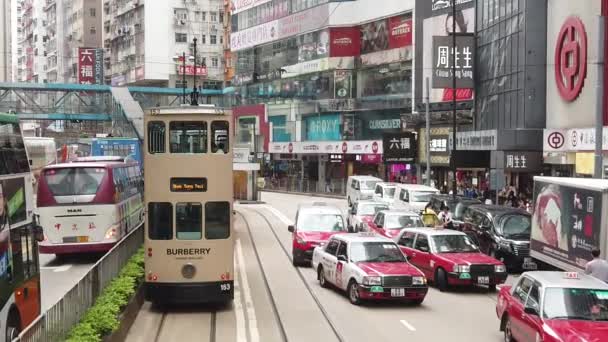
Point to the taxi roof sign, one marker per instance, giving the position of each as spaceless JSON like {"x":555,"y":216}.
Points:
{"x":319,"y":204}
{"x":571,"y":275}
{"x":368,"y":234}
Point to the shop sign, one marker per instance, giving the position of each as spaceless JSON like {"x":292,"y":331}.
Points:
{"x":324,"y":127}
{"x":253,"y":36}
{"x":240,"y":155}
{"x":384,"y":124}
{"x":399,"y":147}
{"x":237,"y":6}
{"x":243,"y":79}
{"x":118,"y":80}
{"x":190,"y":70}
{"x":438,"y":144}
{"x":400,"y":31}
{"x":342,"y":84}
{"x":318,"y":65}
{"x":344,"y":41}
{"x":571,"y":59}
{"x":388,"y":56}
{"x":328,"y":147}
{"x":304,"y":21}
{"x":523,"y":161}
{"x":443,"y":4}
{"x":476,"y":140}
{"x":572,"y":140}
{"x":90,"y":66}
{"x":337,"y":104}
{"x":443,"y":54}
{"x":371,"y":159}
{"x":575,"y":213}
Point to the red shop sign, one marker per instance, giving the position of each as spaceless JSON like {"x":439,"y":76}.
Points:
{"x":399,"y":32}
{"x":571,"y":59}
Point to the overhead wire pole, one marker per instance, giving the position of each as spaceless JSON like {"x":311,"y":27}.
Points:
{"x":453,"y":152}
{"x":427,"y":99}
{"x":184,"y":77}
{"x":194,"y":97}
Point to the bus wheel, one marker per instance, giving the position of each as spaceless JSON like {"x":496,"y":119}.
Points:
{"x":12,"y":326}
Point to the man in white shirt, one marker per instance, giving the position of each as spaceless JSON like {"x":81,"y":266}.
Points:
{"x":445,"y":217}
{"x":597,"y":267}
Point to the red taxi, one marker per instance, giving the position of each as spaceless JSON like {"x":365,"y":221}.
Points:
{"x":368,"y":267}
{"x":554,"y":306}
{"x":389,"y":223}
{"x":450,"y":258}
{"x":314,"y":225}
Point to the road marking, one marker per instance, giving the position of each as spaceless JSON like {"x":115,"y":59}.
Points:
{"x":251,"y":317}
{"x":56,"y":268}
{"x":278,"y":214}
{"x":407,"y":325}
{"x":238,"y":306}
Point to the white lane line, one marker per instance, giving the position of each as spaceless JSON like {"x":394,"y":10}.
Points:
{"x":63,"y":268}
{"x":278,"y":214}
{"x":407,"y":325}
{"x":241,"y":331}
{"x":251,"y":317}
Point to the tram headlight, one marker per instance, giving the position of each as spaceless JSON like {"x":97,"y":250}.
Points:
{"x":188,"y":271}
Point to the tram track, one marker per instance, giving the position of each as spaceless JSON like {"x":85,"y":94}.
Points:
{"x":298,"y":271}
{"x":170,"y":316}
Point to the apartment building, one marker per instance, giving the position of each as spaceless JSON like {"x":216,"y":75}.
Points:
{"x":146,"y":40}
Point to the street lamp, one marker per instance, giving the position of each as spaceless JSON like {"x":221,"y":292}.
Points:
{"x":453,"y":153}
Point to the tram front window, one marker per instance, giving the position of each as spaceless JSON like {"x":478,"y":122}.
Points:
{"x":188,"y":221}
{"x":188,"y":136}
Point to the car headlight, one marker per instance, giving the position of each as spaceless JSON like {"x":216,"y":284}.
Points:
{"x":372,"y":281}
{"x":502,"y":244}
{"x":462,"y":268}
{"x":418,"y":280}
{"x":300,"y":241}
{"x":500,"y":268}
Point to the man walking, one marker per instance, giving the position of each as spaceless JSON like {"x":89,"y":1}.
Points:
{"x":597,"y":267}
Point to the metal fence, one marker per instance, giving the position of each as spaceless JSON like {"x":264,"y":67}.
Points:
{"x":292,"y":184}
{"x":55,"y":324}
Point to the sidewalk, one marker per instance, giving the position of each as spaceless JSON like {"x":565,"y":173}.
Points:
{"x":312,"y":194}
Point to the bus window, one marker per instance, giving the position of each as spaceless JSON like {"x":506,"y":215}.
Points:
{"x":219,"y":132}
{"x":217,"y":220}
{"x":188,"y":137}
{"x":160,"y":221}
{"x":156,"y":137}
{"x":188,"y":221}
{"x":74,"y":180}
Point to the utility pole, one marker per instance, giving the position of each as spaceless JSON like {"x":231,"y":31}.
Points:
{"x":194,"y":97}
{"x":599,"y":110}
{"x":428,"y":133}
{"x":453,"y":152}
{"x":184,"y":77}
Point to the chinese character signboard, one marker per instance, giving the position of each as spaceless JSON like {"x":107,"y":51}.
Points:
{"x":523,"y":161}
{"x":90,"y":66}
{"x":443,"y":60}
{"x":438,"y":144}
{"x":399,"y":147}
{"x":200,"y":70}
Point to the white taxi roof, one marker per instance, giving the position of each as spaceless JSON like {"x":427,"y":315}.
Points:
{"x":387,"y":184}
{"x":417,"y":187}
{"x":319,"y":209}
{"x":400,"y":212}
{"x":433,"y":231}
{"x":362,"y":237}
{"x":365,"y":178}
{"x":562,"y":280}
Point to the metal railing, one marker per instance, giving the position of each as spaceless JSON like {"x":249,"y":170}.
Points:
{"x":55,"y":324}
{"x":292,"y":184}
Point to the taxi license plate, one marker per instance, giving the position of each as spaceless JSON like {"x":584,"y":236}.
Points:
{"x":483,"y":280}
{"x":529,"y":264}
{"x":398,"y":292}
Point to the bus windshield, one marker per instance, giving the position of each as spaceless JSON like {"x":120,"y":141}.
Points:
{"x":74,"y":181}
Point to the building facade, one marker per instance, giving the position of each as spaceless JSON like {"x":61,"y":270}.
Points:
{"x":146,"y":41}
{"x":6,"y":39}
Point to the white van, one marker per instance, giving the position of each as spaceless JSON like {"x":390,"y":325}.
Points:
{"x":413,"y":197}
{"x":385,"y":192}
{"x":360,"y":188}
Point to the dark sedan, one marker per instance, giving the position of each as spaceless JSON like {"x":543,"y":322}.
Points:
{"x":457,"y":206}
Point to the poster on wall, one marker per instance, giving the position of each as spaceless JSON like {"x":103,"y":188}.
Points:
{"x":343,"y":84}
{"x":566,"y":223}
{"x":399,"y":31}
{"x":374,"y":36}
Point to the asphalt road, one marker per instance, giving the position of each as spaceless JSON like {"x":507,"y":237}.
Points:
{"x":276,"y":302}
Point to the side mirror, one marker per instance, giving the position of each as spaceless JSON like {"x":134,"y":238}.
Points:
{"x":291,"y":228}
{"x":531,"y":311}
{"x":342,"y":258}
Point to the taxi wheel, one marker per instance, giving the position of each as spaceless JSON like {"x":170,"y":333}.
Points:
{"x":353,"y":293}
{"x":508,"y":332}
{"x":441,"y":280}
{"x":321,"y":277}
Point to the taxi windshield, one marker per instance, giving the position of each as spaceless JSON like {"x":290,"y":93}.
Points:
{"x":375,"y":252}
{"x":399,"y":221}
{"x":516,"y":226}
{"x":368,"y":185}
{"x":421,"y":196}
{"x":454,"y":244}
{"x":576,"y":304}
{"x":389,"y":192}
{"x":320,"y":223}
{"x":371,"y":209}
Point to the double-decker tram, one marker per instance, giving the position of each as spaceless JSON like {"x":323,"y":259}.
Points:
{"x":189,"y":240}
{"x":19,"y":234}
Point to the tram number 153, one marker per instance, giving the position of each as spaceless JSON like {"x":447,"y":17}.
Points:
{"x":225,"y":287}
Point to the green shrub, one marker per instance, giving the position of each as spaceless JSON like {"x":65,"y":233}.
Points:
{"x":102,"y":318}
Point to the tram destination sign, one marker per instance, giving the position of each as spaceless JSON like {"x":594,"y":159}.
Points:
{"x":183,"y":184}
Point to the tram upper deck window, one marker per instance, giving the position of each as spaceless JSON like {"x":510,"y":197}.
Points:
{"x":160,"y":221}
{"x":217,"y":220}
{"x":156,"y":137}
{"x":189,"y":221}
{"x":219,"y":131}
{"x":188,"y":136}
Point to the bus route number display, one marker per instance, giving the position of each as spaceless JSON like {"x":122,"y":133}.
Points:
{"x":188,"y":184}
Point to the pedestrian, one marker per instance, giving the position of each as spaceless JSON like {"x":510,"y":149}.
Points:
{"x":445,"y":216}
{"x":597,"y":267}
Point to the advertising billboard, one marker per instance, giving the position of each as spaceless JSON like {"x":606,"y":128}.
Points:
{"x":344,"y":41}
{"x":399,"y":147}
{"x":399,"y":31}
{"x":566,"y":223}
{"x":90,"y":66}
{"x":374,"y":36}
{"x":444,"y":59}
